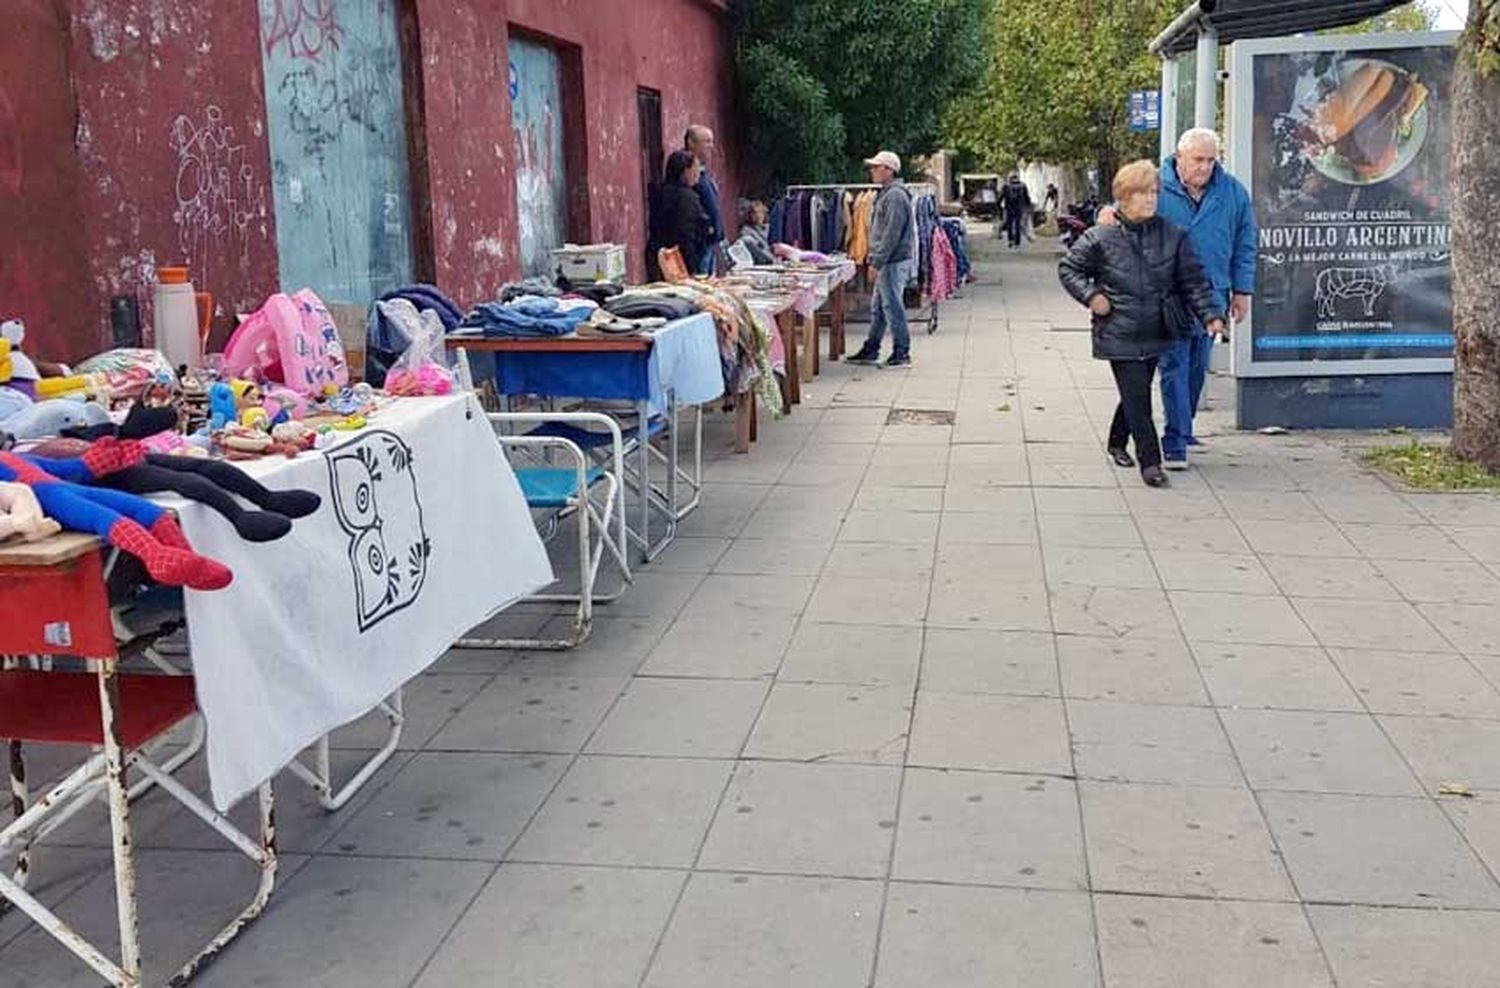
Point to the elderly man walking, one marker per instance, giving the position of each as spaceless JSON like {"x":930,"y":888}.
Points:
{"x":893,"y":238}
{"x":1198,"y":195}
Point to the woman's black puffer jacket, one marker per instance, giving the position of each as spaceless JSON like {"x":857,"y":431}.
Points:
{"x":1135,"y":265}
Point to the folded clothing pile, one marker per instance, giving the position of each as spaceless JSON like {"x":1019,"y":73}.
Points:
{"x":603,"y":323}
{"x":527,"y":317}
{"x":533,"y":286}
{"x":650,"y":304}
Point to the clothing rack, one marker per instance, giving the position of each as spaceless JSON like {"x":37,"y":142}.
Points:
{"x":918,"y":190}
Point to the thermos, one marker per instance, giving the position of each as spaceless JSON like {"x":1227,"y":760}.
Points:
{"x":176,"y":318}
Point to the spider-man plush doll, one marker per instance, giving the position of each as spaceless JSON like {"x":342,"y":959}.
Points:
{"x":126,"y":521}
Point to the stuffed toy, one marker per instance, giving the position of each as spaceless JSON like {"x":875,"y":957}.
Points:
{"x":21,"y":516}
{"x":120,"y":463}
{"x":125,"y":521}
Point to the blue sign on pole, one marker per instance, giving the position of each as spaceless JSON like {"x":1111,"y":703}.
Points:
{"x":1144,"y":109}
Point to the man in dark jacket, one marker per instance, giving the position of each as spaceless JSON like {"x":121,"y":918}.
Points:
{"x":893,"y":237}
{"x":1142,"y":281}
{"x":699,"y":142}
{"x":1016,"y":198}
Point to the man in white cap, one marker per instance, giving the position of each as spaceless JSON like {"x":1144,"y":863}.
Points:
{"x":893,"y":239}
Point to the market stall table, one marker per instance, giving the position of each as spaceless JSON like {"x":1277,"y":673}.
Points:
{"x":657,"y":371}
{"x":56,"y":604}
{"x":422,"y":535}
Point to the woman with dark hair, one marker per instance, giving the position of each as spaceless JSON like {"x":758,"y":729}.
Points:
{"x":680,"y":220}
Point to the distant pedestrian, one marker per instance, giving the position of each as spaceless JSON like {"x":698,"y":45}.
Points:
{"x":893,"y":238}
{"x":1015,"y":198}
{"x":1145,"y":288}
{"x":699,"y":142}
{"x":1051,"y":199}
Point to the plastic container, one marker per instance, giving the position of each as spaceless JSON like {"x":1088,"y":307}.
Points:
{"x":175,"y":318}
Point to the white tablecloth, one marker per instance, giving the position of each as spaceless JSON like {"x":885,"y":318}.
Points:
{"x":422,"y":534}
{"x":685,"y":360}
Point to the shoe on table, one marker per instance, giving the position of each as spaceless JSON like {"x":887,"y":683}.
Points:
{"x":898,"y":360}
{"x":1175,"y":462}
{"x":863,"y":356}
{"x":1121,"y":456}
{"x":1153,"y":477}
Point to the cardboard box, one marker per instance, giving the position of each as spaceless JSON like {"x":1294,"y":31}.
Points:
{"x":590,"y":262}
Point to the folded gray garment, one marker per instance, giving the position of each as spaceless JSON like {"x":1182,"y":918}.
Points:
{"x":632,"y":306}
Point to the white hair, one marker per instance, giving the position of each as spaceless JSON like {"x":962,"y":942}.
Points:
{"x":1200,"y":135}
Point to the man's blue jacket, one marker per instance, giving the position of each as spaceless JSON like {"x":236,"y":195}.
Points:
{"x":1221,"y":229}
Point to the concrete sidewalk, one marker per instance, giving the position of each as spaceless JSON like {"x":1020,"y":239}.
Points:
{"x":928,"y":706}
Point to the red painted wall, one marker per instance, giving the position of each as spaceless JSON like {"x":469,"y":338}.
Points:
{"x":171,"y":133}
{"x":43,"y":247}
{"x":680,"y":47}
{"x":140,"y":140}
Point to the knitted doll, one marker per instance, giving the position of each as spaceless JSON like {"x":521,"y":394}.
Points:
{"x":210,"y":482}
{"x":127,"y":522}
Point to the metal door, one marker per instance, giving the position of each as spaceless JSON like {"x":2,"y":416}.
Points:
{"x":648,"y":111}
{"x":339,"y":153}
{"x":541,"y":175}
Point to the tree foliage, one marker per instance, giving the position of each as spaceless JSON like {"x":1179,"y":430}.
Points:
{"x":826,"y":83}
{"x":1415,"y":16}
{"x":1060,"y":74}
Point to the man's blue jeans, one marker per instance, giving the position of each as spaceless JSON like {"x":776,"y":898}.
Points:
{"x":1184,"y":369}
{"x":706,"y":263}
{"x":888,"y":308}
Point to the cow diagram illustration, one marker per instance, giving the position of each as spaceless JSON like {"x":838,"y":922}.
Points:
{"x":376,"y":502}
{"x":1366,"y":284}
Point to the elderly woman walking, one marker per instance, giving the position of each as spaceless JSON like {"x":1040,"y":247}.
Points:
{"x":1143,"y":284}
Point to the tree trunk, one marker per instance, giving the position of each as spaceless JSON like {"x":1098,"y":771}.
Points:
{"x":1476,"y":246}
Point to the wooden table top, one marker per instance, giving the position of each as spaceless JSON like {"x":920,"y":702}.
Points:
{"x":51,"y":551}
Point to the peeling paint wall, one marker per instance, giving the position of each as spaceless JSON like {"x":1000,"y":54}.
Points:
{"x":172,"y":139}
{"x":43,"y":247}
{"x":140,"y":139}
{"x":680,"y":47}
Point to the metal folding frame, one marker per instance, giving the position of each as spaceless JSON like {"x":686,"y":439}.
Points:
{"x":319,"y":775}
{"x":72,"y":593}
{"x":608,"y":514}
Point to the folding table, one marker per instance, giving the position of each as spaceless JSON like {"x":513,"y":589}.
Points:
{"x":55,"y":604}
{"x":657,"y":372}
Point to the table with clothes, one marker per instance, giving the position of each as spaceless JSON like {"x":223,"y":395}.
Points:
{"x":675,"y":356}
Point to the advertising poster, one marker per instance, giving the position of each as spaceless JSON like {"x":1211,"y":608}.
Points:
{"x":1349,"y":158}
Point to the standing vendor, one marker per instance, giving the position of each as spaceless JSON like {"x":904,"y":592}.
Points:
{"x":893,"y":238}
{"x":699,"y":142}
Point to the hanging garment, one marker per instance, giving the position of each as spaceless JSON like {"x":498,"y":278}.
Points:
{"x":944,"y":279}
{"x":793,"y":232}
{"x":927,"y":223}
{"x":859,"y":233}
{"x":805,"y":242}
{"x":778,"y":221}
{"x":954,"y":228}
{"x":815,"y":227}
{"x":829,"y":242}
{"x":845,"y":220}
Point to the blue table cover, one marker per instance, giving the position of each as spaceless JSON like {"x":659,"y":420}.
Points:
{"x":683,"y":359}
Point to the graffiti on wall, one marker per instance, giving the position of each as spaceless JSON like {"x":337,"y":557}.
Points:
{"x":307,"y":29}
{"x":339,"y":170}
{"x":218,"y":194}
{"x":541,"y":181}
